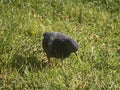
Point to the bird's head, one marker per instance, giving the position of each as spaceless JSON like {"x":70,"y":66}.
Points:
{"x":72,"y":46}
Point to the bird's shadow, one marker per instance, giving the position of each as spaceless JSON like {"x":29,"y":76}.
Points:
{"x":20,"y":63}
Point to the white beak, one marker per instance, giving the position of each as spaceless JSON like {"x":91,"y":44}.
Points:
{"x":76,"y":53}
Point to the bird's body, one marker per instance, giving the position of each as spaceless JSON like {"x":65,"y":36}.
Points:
{"x":58,"y":45}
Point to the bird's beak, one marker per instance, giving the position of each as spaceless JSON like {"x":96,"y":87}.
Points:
{"x":76,"y":53}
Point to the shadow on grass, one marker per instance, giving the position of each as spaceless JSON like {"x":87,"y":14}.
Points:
{"x":20,"y":63}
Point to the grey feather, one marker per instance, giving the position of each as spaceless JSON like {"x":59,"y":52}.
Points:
{"x":58,"y":45}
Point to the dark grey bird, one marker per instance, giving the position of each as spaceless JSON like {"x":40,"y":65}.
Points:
{"x":58,"y":45}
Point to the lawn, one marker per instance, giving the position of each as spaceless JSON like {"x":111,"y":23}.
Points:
{"x":94,"y":24}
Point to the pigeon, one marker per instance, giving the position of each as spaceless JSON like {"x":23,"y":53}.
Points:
{"x":58,"y":45}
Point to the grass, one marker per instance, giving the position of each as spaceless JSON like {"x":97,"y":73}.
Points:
{"x":23,"y":64}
